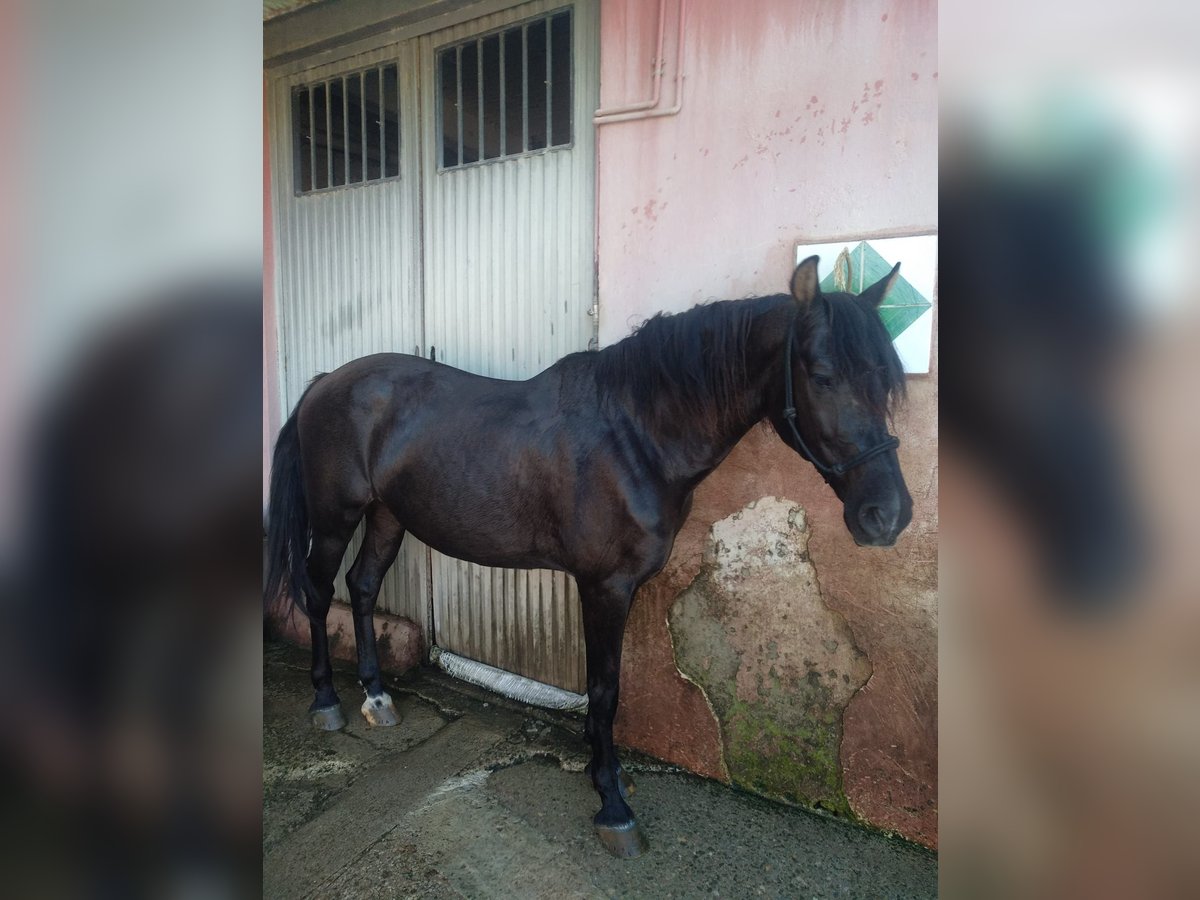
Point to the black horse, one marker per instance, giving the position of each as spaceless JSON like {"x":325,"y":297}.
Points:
{"x":588,"y":468}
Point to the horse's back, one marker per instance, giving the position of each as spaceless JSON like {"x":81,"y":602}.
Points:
{"x":380,"y":421}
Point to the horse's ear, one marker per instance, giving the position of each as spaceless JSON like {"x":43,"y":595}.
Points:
{"x":876,"y":292}
{"x":805,"y":287}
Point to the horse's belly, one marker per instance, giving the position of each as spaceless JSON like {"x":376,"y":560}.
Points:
{"x":491,"y":497}
{"x":478,"y":534}
{"x":484,"y":552}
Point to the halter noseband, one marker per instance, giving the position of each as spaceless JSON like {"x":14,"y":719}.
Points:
{"x":789,"y":416}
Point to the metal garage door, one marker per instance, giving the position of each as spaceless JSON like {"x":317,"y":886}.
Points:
{"x":347,"y":226}
{"x":470,"y":238}
{"x":509,"y":168}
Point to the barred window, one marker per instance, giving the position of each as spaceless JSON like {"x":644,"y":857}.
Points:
{"x":506,"y":93}
{"x":346,"y":130}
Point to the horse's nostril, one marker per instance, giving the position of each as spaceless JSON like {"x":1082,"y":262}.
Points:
{"x":872,"y":518}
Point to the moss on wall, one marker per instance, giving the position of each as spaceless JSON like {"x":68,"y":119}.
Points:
{"x":777,"y":665}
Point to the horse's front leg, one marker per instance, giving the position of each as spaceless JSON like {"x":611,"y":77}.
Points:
{"x":605,"y":609}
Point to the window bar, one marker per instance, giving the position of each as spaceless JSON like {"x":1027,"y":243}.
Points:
{"x":549,"y":84}
{"x":458,"y":99}
{"x":297,"y":141}
{"x":396,"y":134}
{"x":382,"y":125}
{"x":312,"y":142}
{"x":503,"y":117}
{"x":328,"y":139}
{"x":481,"y":155}
{"x":346,"y":131}
{"x":524,"y":88}
{"x":362,"y":102}
{"x":399,"y":122}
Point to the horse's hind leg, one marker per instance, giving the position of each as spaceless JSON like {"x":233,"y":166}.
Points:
{"x":324,"y":557}
{"x":381,"y":542}
{"x":605,"y":608}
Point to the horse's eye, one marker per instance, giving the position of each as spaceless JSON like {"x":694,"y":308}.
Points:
{"x":823,"y":381}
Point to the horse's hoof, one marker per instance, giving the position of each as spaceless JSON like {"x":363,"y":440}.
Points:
{"x":379,"y":711}
{"x":328,"y":718}
{"x":625,"y":783}
{"x":626,"y":841}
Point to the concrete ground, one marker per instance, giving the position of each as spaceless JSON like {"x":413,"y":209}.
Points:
{"x":476,"y":796}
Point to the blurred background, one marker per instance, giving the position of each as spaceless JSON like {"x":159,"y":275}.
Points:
{"x":130,"y":448}
{"x":131,"y":429}
{"x":1070,"y":628}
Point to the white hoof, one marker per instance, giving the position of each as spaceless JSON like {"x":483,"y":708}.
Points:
{"x":379,"y":711}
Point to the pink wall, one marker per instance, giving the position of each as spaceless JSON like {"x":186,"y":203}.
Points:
{"x":271,"y":413}
{"x":799,"y":121}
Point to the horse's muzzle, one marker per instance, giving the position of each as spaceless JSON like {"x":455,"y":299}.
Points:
{"x":877,"y":523}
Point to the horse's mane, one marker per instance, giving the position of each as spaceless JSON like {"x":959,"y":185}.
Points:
{"x":695,"y":361}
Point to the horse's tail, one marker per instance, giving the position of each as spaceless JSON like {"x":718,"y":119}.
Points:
{"x":288,"y":532}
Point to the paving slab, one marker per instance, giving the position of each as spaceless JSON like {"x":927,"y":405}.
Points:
{"x":473,"y":795}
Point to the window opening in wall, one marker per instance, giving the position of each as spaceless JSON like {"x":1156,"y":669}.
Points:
{"x":506,"y":93}
{"x":346,"y":130}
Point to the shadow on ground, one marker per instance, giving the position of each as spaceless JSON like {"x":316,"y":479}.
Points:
{"x":475,"y":796}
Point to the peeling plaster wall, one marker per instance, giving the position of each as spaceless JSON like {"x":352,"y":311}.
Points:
{"x":777,"y":664}
{"x":799,"y":123}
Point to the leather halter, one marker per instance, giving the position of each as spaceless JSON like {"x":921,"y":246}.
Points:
{"x":789,"y":416}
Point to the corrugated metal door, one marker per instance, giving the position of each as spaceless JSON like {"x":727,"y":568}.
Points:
{"x":509,"y":274}
{"x":348,"y":264}
{"x":487,"y":260}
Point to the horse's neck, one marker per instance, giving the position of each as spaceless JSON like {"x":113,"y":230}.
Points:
{"x":700,"y":457}
{"x":694,"y":449}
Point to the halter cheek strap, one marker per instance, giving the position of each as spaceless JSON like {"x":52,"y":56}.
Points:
{"x":789,"y":416}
